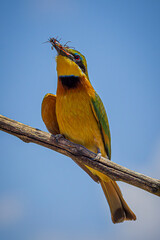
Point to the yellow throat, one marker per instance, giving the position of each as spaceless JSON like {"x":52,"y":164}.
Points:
{"x":66,"y":67}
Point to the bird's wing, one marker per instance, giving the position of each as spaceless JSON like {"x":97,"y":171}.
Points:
{"x":49,"y":118}
{"x":48,"y":111}
{"x":101,"y":116}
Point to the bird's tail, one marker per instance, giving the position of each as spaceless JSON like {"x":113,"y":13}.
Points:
{"x":120,"y":211}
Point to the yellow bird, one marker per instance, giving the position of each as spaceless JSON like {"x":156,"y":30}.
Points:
{"x":77,"y":112}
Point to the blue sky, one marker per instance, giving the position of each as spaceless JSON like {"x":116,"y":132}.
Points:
{"x":44,"y":195}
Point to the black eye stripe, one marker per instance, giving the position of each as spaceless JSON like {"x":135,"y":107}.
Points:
{"x":81,"y":65}
{"x":78,"y":61}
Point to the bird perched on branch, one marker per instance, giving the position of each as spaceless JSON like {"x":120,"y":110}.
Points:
{"x":77,"y":112}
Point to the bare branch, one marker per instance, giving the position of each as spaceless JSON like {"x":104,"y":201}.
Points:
{"x":80,"y":155}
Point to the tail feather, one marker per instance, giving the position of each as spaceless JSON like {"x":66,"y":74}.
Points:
{"x":120,"y":211}
{"x":129,"y":213}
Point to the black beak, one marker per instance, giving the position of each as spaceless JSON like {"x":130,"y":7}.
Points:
{"x":61,"y":50}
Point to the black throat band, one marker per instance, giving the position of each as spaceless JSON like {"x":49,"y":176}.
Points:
{"x":69,"y":81}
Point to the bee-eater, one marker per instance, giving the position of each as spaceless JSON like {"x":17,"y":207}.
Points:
{"x":77,"y":112}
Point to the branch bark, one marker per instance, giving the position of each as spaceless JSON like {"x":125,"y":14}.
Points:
{"x":80,"y":155}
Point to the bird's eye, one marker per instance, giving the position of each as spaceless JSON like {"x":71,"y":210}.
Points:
{"x":77,"y":57}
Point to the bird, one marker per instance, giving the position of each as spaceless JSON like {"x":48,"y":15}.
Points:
{"x":78,"y":113}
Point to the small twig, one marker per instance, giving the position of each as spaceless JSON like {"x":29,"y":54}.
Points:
{"x":80,"y":155}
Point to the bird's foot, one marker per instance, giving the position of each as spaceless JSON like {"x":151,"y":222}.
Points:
{"x":58,"y":137}
{"x":98,"y":156}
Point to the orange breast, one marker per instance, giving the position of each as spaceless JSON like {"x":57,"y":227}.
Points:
{"x":76,"y":120}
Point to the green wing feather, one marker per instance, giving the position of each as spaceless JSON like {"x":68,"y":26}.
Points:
{"x":102,"y":119}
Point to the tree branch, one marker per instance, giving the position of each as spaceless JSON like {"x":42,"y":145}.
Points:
{"x":80,"y":155}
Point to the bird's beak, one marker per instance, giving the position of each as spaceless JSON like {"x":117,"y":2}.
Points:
{"x":61,"y":50}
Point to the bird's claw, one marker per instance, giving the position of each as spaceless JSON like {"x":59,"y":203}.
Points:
{"x":58,"y":137}
{"x":97,"y":157}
